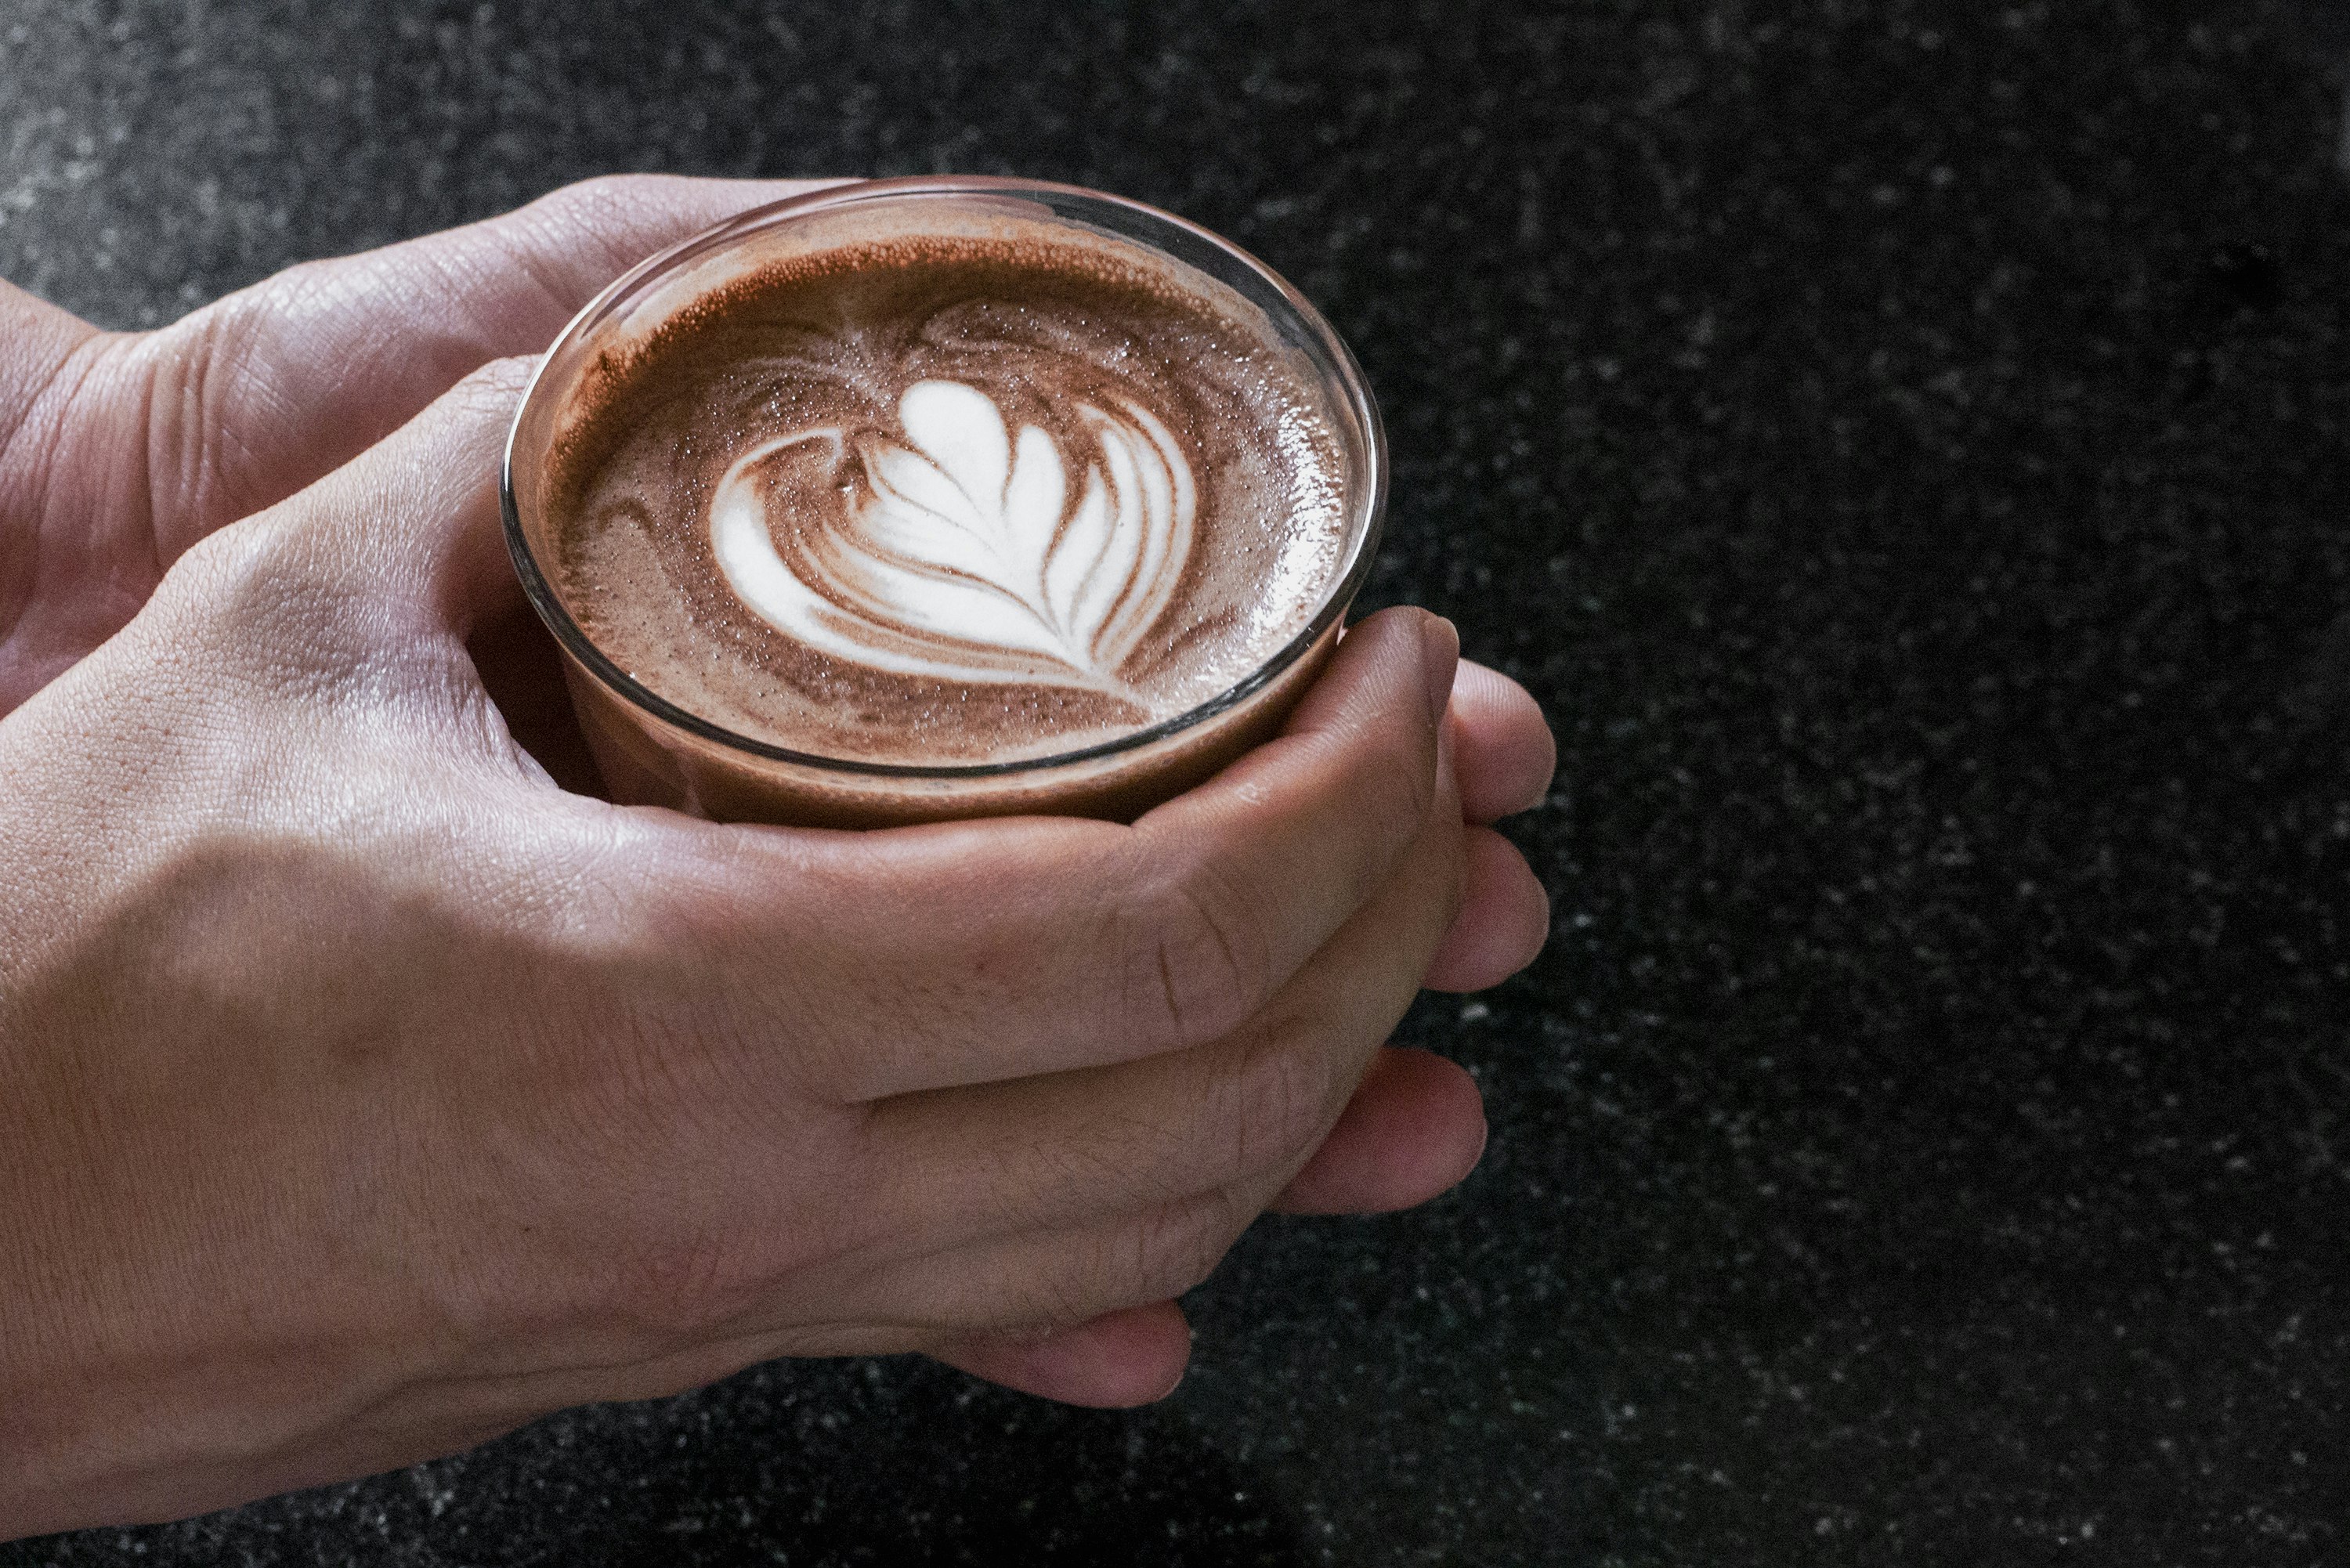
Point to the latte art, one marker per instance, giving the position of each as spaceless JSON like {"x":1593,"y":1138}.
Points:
{"x":965,"y":553}
{"x":960,"y":499}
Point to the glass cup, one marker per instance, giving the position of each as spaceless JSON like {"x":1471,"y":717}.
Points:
{"x":652,"y":751}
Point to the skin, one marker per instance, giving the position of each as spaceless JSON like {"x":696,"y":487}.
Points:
{"x":365,"y":1091}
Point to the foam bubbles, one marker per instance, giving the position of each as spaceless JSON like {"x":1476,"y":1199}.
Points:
{"x":951,"y":499}
{"x":958,"y":554}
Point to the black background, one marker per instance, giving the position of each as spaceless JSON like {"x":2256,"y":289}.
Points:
{"x":1903,"y":446}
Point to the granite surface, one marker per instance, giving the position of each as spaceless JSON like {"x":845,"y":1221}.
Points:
{"x":1907,"y":446}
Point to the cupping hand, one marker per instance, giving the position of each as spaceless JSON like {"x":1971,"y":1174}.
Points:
{"x":364,"y":1093}
{"x":117,"y":452}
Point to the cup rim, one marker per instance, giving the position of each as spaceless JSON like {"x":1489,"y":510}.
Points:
{"x":1370,"y":505}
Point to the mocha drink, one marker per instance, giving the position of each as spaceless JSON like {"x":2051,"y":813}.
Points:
{"x":937,"y":502}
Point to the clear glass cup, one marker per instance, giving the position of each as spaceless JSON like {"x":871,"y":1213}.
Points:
{"x":652,"y":751}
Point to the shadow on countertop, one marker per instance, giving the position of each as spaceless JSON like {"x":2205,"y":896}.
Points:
{"x":888,"y":1464}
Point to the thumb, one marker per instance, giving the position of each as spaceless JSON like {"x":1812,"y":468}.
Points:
{"x":279,"y":382}
{"x":414,"y":518}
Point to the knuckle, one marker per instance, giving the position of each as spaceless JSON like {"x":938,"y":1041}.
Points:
{"x":1205,"y":963}
{"x":223,"y":560}
{"x":1176,"y":1248}
{"x":1154,"y":1256}
{"x":1396,"y":789}
{"x":604,"y":218}
{"x":198,"y":379}
{"x":1282,"y":1097}
{"x":238,"y":321}
{"x":247,"y":577}
{"x":596,"y":195}
{"x":260,"y":605}
{"x":493,"y":389}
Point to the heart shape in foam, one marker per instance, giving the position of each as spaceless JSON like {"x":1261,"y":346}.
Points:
{"x":958,"y":554}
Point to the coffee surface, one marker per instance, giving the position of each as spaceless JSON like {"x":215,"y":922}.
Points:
{"x":949,"y":499}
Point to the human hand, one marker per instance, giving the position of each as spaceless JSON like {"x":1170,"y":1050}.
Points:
{"x":117,"y":452}
{"x":1416,"y":1124}
{"x":363,"y":1094}
{"x":120,"y":450}
{"x":336,"y":375}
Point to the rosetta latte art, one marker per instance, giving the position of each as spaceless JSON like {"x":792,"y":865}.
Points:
{"x":965,"y":553}
{"x":949,"y":501}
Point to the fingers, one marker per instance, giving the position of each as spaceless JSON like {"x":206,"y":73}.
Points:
{"x":1505,"y":757}
{"x":1504,"y":919}
{"x":415,"y":517}
{"x":1118,"y":1358}
{"x":1037,"y":1282}
{"x":271,"y":388}
{"x":1060,"y":1198}
{"x":1505,"y":749}
{"x":1414,"y":1129}
{"x":975,"y":953}
{"x":1135,"y":1356}
{"x":364,"y":584}
{"x":1236,"y":1117}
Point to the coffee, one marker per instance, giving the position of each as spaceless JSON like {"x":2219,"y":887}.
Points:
{"x":962,"y":500}
{"x":925,"y":499}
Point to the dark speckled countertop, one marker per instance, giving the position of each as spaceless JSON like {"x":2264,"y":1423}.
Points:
{"x":1904,"y":445}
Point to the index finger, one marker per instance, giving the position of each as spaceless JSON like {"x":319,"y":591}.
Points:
{"x":971,"y":952}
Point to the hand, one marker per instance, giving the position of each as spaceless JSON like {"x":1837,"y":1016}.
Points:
{"x":1416,"y":1125}
{"x":362,"y":1094}
{"x":119,"y":450}
{"x":80,"y":1064}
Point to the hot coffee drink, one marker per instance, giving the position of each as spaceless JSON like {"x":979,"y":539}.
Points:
{"x":950,"y":501}
{"x":939,"y":510}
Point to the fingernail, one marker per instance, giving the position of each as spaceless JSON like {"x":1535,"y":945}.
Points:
{"x":1439,"y":657}
{"x":1191,"y":1339}
{"x":1447,"y":780}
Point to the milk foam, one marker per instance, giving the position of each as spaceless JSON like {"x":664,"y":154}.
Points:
{"x":965,"y":553}
{"x":951,"y":499}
